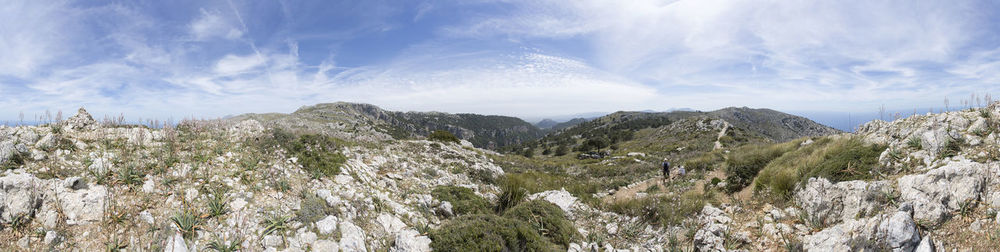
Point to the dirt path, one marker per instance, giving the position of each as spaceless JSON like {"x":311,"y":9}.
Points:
{"x":625,"y":193}
{"x":725,"y":127}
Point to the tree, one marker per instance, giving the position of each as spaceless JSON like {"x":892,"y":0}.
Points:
{"x":442,"y":136}
{"x":561,"y":150}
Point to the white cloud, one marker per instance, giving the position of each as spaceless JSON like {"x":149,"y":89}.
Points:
{"x":33,"y":35}
{"x":213,"y":25}
{"x":234,"y":64}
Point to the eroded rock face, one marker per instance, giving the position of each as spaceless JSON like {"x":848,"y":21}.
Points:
{"x":939,"y":192}
{"x":829,"y":203}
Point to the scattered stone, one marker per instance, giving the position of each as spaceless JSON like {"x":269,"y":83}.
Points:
{"x":711,"y":235}
{"x":20,"y":196}
{"x":410,"y":241}
{"x":352,"y":238}
{"x":327,"y":225}
{"x":899,"y":232}
{"x":176,"y":244}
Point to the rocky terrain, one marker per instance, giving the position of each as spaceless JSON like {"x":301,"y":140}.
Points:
{"x":327,"y":178}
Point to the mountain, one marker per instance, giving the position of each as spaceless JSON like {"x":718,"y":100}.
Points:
{"x":551,"y":125}
{"x":545,"y":123}
{"x":484,"y":131}
{"x":567,"y":124}
{"x":775,"y":125}
{"x":742,"y":125}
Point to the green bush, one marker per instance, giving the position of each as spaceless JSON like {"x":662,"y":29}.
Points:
{"x":547,"y":218}
{"x":745,"y":162}
{"x":319,"y":155}
{"x":835,"y":159}
{"x":463,"y":200}
{"x":704,"y":162}
{"x":488,"y":232}
{"x":442,"y":136}
{"x":561,"y":150}
{"x":512,"y":192}
{"x":313,"y":208}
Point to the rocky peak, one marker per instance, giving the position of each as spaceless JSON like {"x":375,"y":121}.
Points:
{"x":81,"y":121}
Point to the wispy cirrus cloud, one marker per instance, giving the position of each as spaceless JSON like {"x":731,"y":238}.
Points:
{"x":524,"y":58}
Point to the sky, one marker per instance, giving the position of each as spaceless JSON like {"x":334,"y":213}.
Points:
{"x":532,"y":59}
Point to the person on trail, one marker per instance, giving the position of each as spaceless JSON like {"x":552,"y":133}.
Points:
{"x":666,"y":169}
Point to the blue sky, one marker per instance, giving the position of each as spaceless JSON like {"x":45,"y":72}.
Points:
{"x":533,"y":59}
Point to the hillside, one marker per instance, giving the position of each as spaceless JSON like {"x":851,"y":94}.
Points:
{"x":329,"y":178}
{"x":657,"y":129}
{"x":484,"y":131}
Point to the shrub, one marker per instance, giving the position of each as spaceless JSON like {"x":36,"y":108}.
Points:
{"x":487,"y":232}
{"x":463,"y":200}
{"x":442,"y":136}
{"x":218,"y":204}
{"x":837,"y":160}
{"x":914,"y":143}
{"x":704,"y":162}
{"x":188,"y":222}
{"x":745,"y":162}
{"x":561,"y":150}
{"x":528,"y":153}
{"x":312,"y":209}
{"x":951,"y":147}
{"x":547,"y":218}
{"x":319,"y":155}
{"x":512,"y":192}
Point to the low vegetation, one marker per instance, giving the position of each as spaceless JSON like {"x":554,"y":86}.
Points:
{"x":837,"y":159}
{"x":442,"y":136}
{"x":745,"y":162}
{"x":488,"y":232}
{"x":463,"y":200}
{"x":547,"y":218}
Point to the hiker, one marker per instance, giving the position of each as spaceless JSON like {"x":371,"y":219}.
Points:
{"x":666,"y":169}
{"x":681,"y":171}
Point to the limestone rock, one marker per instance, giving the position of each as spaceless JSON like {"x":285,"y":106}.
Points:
{"x":352,"y":238}
{"x":176,"y":244}
{"x":81,"y":121}
{"x":899,"y":232}
{"x":829,"y":203}
{"x":83,"y":206}
{"x":410,"y":241}
{"x":560,"y":198}
{"x":844,"y":236}
{"x":940,"y":191}
{"x":711,"y":236}
{"x":327,"y":225}
{"x":20,"y":196}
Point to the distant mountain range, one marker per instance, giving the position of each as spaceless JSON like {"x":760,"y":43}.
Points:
{"x":496,"y":132}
